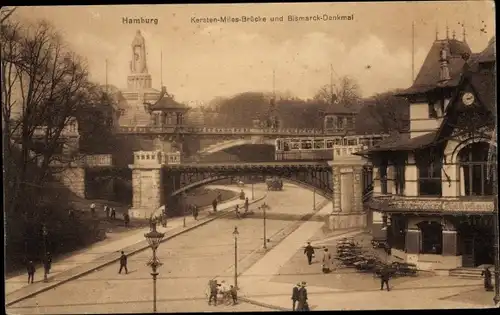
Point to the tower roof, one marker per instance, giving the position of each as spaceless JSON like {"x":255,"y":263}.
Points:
{"x":428,"y":77}
{"x":167,"y":102}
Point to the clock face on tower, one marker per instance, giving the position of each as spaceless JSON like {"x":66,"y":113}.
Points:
{"x":468,"y":98}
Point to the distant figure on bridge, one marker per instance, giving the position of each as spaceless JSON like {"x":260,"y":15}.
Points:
{"x":113,"y":213}
{"x":214,"y":205}
{"x":246,"y":204}
{"x":195,"y":212}
{"x":92,"y":209}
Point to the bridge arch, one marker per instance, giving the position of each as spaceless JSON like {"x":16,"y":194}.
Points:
{"x":227,"y":144}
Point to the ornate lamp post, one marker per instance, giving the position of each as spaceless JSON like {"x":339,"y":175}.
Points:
{"x":154,"y":238}
{"x":235,"y":234}
{"x":265,"y":207}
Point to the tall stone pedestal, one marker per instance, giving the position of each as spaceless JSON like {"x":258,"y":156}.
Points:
{"x":147,"y":183}
{"x":347,"y":202}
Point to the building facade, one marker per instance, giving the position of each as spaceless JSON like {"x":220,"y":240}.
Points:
{"x":433,"y":187}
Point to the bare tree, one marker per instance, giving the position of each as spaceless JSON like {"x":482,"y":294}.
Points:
{"x":346,"y":91}
{"x":5,"y":13}
{"x":389,"y":112}
{"x":44,"y":87}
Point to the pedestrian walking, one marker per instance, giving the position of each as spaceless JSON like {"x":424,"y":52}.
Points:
{"x":488,"y":286}
{"x":46,"y":267}
{"x":237,"y":210}
{"x":309,"y":252}
{"x":113,"y":213}
{"x":214,"y":205}
{"x":31,"y":271}
{"x":327,"y":261}
{"x":92,"y":209}
{"x":123,"y":263}
{"x":246,"y":205}
{"x":295,"y":295}
{"x":219,"y":196}
{"x":126,"y":219}
{"x":107,"y":210}
{"x":234,"y":294}
{"x":303,"y":305}
{"x":195,"y":212}
{"x":164,"y":220}
{"x":385,"y":275}
{"x":213,"y":291}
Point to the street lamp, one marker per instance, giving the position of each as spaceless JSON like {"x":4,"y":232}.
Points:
{"x":314,"y":199}
{"x":235,"y":234}
{"x":496,"y":298}
{"x":265,"y":207}
{"x":44,"y":233}
{"x":154,"y":238}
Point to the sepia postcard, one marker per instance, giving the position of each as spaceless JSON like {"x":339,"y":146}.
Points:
{"x":250,"y":157}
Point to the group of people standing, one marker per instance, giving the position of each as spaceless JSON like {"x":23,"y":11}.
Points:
{"x":299,"y":297}
{"x":326,"y":260}
{"x":110,"y":213}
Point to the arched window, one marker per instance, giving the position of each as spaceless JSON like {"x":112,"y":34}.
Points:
{"x":475,"y":170}
{"x":432,"y":237}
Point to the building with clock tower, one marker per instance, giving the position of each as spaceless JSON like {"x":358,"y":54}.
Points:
{"x":433,"y":187}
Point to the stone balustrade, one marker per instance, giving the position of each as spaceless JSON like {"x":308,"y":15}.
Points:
{"x":346,"y":150}
{"x":98,"y":160}
{"x":427,"y":204}
{"x":156,"y":158}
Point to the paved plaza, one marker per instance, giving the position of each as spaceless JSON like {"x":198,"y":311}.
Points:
{"x":189,"y":261}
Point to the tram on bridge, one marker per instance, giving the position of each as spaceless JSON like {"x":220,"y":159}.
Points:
{"x":320,"y":148}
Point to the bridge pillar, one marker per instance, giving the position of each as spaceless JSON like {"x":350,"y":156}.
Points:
{"x":347,"y":200}
{"x":146,"y":183}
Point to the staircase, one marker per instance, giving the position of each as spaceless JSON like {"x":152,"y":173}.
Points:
{"x":466,"y":273}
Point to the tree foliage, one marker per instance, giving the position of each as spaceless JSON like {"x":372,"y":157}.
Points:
{"x":45,"y":87}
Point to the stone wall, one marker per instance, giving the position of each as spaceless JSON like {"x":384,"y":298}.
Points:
{"x":73,"y":178}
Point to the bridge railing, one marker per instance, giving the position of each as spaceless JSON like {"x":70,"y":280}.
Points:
{"x":219,"y":130}
{"x":155,"y":158}
{"x":98,"y":160}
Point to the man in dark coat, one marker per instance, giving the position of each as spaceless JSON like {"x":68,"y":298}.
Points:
{"x":213,"y":292}
{"x":309,"y":252}
{"x":47,"y":262}
{"x":234,"y":294}
{"x":487,"y":279}
{"x":123,"y":263}
{"x":113,"y":213}
{"x":246,"y":204}
{"x":195,"y":212}
{"x":303,"y":305}
{"x":31,"y":271}
{"x":385,"y":275}
{"x":295,"y":295}
{"x":214,"y":205}
{"x":126,"y":219}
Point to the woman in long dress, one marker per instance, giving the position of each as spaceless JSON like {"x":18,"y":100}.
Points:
{"x":327,"y":261}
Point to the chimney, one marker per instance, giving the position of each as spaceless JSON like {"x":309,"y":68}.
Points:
{"x":444,"y":71}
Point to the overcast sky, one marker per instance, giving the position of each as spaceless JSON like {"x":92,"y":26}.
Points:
{"x":205,"y":60}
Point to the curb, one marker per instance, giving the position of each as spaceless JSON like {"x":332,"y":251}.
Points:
{"x":275,"y":307}
{"x":143,"y":245}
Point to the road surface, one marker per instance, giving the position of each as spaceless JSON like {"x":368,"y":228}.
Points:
{"x":189,"y":261}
